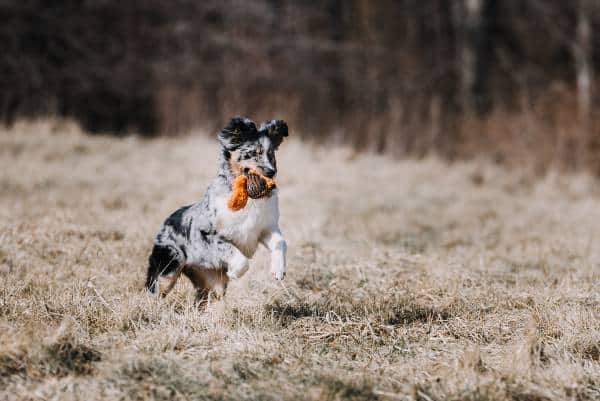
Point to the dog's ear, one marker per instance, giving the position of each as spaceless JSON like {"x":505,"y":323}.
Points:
{"x":276,"y":130}
{"x":237,"y":132}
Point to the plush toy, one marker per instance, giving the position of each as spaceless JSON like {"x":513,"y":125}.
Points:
{"x":250,"y":184}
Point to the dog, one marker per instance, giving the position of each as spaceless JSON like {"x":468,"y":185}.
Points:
{"x":211,"y":244}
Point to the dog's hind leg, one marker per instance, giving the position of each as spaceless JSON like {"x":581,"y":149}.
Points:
{"x":212,"y":264}
{"x":198,"y":281}
{"x":164,"y":260}
{"x":207,"y":282}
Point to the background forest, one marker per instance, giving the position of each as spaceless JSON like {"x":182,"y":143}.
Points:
{"x":513,"y":80}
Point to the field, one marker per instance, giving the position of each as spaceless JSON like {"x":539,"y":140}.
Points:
{"x":407,"y":280}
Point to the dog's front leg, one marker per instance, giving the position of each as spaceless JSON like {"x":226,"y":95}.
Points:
{"x":275,"y":242}
{"x":237,"y":264}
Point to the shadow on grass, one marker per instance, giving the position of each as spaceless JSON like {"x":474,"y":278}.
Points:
{"x":286,"y":313}
{"x":414,"y":313}
{"x":393,"y":312}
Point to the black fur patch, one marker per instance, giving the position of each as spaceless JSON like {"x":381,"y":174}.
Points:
{"x":238,"y":131}
{"x":175,"y":221}
{"x":163,"y":260}
{"x":276,"y":130}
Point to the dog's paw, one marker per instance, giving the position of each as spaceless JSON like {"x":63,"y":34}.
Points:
{"x":238,"y":266}
{"x":234,"y":274}
{"x":278,"y":265}
{"x":278,"y":274}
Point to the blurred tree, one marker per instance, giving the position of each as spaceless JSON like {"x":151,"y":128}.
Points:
{"x":582,"y":51}
{"x":397,"y":76}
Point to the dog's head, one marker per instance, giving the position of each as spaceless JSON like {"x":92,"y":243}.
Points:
{"x":253,"y":148}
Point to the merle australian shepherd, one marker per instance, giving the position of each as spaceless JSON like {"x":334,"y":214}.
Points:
{"x":211,"y":244}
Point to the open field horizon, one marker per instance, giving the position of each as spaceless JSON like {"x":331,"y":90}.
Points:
{"x":407,"y":280}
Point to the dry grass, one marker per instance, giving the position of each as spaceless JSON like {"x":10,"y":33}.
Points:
{"x":409,"y":280}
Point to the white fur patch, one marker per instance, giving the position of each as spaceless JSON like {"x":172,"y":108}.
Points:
{"x":238,"y":266}
{"x":245,"y":227}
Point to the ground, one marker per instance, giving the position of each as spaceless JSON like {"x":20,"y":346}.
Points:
{"x":407,"y":280}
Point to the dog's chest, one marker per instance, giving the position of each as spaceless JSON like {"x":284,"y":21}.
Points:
{"x":245,"y":226}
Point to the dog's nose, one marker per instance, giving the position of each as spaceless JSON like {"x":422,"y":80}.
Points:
{"x":269,"y":172}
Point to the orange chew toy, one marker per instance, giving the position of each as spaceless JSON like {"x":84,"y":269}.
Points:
{"x":239,"y":194}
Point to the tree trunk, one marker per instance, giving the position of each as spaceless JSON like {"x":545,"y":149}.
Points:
{"x":468,"y":17}
{"x":582,"y":51}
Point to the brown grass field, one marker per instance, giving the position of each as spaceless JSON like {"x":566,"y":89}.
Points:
{"x":407,"y":280}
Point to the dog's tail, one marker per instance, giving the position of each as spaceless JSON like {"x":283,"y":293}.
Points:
{"x":162,"y":261}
